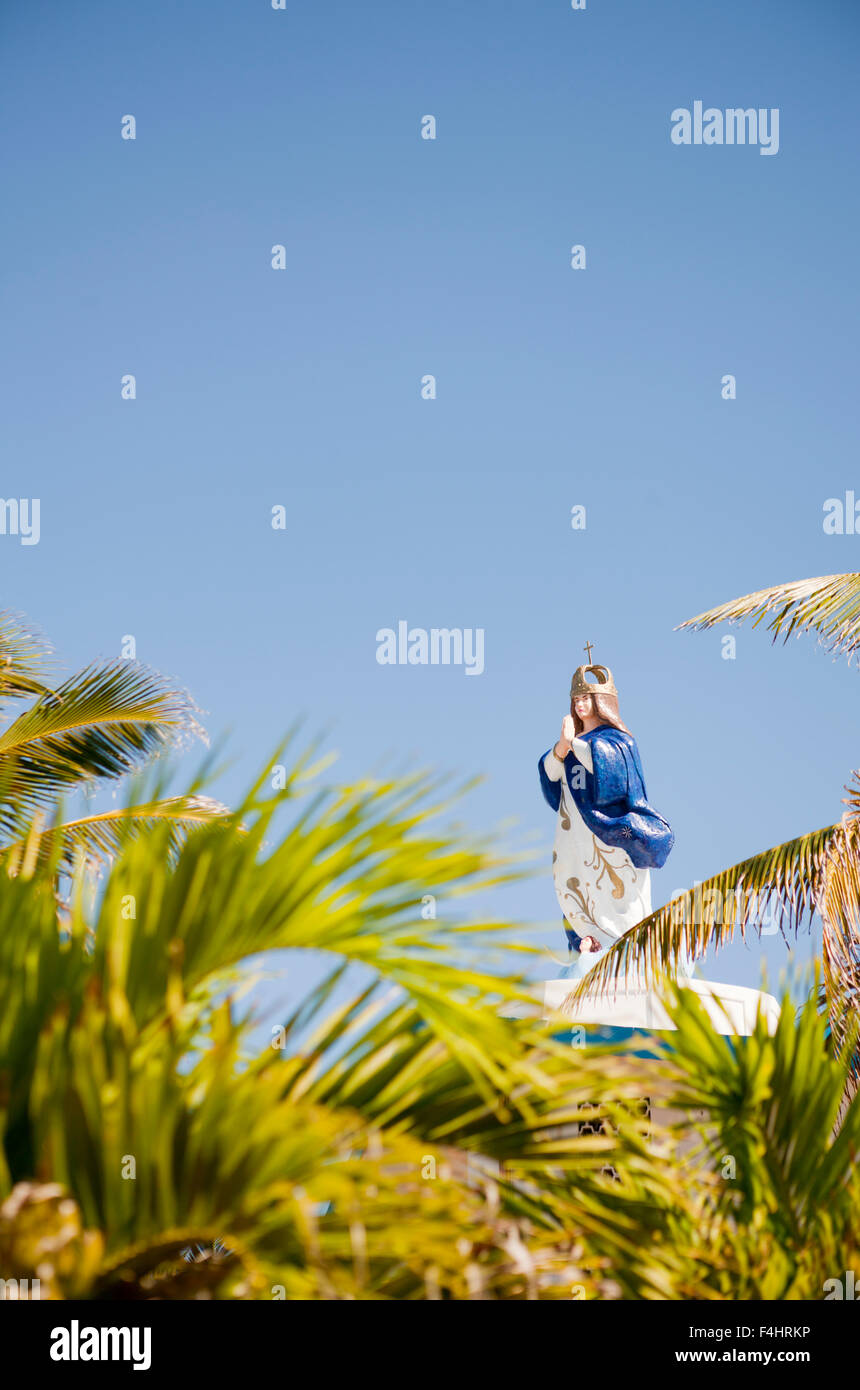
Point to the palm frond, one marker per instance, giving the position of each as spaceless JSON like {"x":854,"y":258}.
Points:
{"x":339,"y":1204}
{"x":24,"y":659}
{"x":104,"y":722}
{"x":343,"y":878}
{"x":772,"y":1102}
{"x":828,"y":605}
{"x":840,"y":914}
{"x":102,"y":836}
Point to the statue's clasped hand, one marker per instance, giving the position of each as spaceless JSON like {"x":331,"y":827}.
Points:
{"x":565,"y":742}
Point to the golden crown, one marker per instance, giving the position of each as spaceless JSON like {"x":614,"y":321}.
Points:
{"x":602,"y":685}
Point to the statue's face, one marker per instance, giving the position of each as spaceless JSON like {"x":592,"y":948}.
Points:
{"x":583,"y":706}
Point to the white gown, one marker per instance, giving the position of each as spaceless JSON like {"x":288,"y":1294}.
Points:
{"x":599,"y":889}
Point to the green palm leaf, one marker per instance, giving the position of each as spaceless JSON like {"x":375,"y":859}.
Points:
{"x":100,"y":837}
{"x":772,"y":1103}
{"x":24,"y":659}
{"x":829,"y":605}
{"x":104,"y":722}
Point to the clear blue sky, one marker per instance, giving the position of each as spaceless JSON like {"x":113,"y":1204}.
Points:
{"x":555,"y":387}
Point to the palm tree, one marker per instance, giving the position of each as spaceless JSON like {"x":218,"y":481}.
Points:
{"x":397,"y":1134}
{"x":815,"y":873}
{"x":774,"y":1210}
{"x":353,"y":1157}
{"x":102,"y":723}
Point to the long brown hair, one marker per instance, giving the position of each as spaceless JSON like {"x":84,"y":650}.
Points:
{"x":606,"y":709}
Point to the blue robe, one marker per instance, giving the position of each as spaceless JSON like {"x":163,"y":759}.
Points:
{"x":612,"y":800}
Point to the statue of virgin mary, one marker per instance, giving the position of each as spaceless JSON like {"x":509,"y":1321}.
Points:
{"x":607,"y":837}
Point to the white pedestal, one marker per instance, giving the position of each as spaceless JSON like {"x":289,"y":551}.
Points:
{"x":731,"y":1008}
